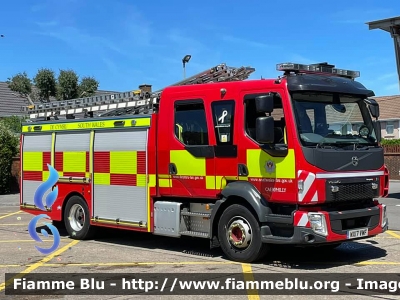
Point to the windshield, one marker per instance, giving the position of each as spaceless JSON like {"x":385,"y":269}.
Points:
{"x":325,"y":119}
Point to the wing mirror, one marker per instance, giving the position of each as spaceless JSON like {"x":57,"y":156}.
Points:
{"x":265,"y":130}
{"x":265,"y":103}
{"x":373,"y":107}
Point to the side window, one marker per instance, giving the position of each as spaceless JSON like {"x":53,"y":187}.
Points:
{"x":223,"y":112}
{"x":389,"y":128}
{"x":190,"y":123}
{"x":251,"y":115}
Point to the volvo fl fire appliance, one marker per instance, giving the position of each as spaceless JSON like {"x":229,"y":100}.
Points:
{"x":244,"y":163}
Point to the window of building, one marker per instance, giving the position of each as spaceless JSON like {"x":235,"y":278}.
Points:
{"x":389,"y":128}
{"x":223,"y":113}
{"x":190,"y":123}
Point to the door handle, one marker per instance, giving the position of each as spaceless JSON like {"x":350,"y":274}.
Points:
{"x":172,"y":169}
{"x":242,"y":170}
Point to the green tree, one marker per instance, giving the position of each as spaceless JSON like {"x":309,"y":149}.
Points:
{"x":45,"y":82}
{"x":88,"y":86}
{"x":14,"y":123}
{"x":21,"y":84}
{"x":68,"y":87}
{"x":9,"y":148}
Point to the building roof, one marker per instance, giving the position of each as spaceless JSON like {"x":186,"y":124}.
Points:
{"x":11,"y":102}
{"x":389,"y":107}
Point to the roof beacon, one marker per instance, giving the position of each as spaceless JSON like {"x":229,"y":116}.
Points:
{"x":320,"y":68}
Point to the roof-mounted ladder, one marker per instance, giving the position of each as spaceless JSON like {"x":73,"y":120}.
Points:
{"x":129,"y":102}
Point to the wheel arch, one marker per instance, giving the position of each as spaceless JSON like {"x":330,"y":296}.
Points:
{"x":243,"y":193}
{"x":66,"y":199}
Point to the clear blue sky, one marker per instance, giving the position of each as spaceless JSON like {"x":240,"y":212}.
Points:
{"x":124,"y":43}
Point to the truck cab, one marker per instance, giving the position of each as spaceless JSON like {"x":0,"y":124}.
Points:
{"x":292,"y":160}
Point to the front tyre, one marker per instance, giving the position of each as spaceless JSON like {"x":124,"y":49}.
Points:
{"x":77,"y":219}
{"x":240,"y":235}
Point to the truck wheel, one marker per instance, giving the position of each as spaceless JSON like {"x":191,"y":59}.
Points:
{"x":77,"y":219}
{"x":240,"y":235}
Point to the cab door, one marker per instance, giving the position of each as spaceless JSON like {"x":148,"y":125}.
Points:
{"x":271,"y":167}
{"x":191,"y":158}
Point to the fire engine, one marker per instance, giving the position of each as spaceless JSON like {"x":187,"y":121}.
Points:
{"x":245,"y":163}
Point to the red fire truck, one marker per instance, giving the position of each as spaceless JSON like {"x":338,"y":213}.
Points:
{"x":244,"y":163}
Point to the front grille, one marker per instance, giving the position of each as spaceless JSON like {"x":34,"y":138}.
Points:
{"x":348,"y":191}
{"x":352,"y":219}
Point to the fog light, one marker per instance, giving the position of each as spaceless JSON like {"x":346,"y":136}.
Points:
{"x":374,"y":186}
{"x":334,"y":189}
{"x":384,"y":216}
{"x":318,"y":223}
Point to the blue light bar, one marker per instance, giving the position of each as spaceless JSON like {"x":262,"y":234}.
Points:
{"x":322,"y":68}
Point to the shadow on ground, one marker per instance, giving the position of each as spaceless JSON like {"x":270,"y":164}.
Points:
{"x":394,"y":195}
{"x":280,"y":256}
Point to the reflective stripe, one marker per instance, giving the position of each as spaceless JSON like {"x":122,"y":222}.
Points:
{"x":141,"y":180}
{"x":309,"y":192}
{"x":74,"y":162}
{"x":351,"y":174}
{"x":123,"y":162}
{"x":91,"y":152}
{"x":262,"y":165}
{"x":101,"y":178}
{"x":301,"y":219}
{"x":85,"y":125}
{"x":34,"y":165}
{"x":165,"y":183}
{"x":152,"y":180}
{"x":33,"y":161}
{"x":215,"y":182}
{"x":187,"y":164}
{"x":53,"y":144}
{"x":126,"y":168}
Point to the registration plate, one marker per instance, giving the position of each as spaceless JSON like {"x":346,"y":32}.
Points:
{"x":352,"y":234}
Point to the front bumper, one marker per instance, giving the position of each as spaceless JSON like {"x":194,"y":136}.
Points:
{"x":337,"y":226}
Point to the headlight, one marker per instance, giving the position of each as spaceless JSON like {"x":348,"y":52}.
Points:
{"x":384,"y":216}
{"x":318,"y":223}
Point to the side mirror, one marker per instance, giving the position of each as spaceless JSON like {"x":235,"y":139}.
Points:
{"x":373,"y":107}
{"x":265,"y":130}
{"x":265,"y":103}
{"x":377,"y":128}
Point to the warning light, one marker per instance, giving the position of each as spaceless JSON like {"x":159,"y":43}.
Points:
{"x":320,"y":68}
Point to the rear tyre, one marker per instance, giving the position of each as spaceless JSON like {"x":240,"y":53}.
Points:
{"x":77,"y":219}
{"x":239,"y":235}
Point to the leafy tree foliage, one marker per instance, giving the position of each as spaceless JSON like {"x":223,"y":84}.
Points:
{"x":46,"y":85}
{"x":68,"y":86}
{"x":22,"y":84}
{"x":88,"y":86}
{"x":14,"y":123}
{"x":45,"y":81}
{"x":9,"y":148}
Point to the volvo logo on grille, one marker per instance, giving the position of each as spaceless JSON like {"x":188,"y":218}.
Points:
{"x":354,"y":160}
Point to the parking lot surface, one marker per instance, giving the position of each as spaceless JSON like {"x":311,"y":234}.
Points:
{"x":118,"y":251}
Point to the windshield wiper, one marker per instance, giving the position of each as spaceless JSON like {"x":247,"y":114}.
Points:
{"x":342,"y":145}
{"x":325,"y":145}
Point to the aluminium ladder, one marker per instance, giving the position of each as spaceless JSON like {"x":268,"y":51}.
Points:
{"x":129,"y":102}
